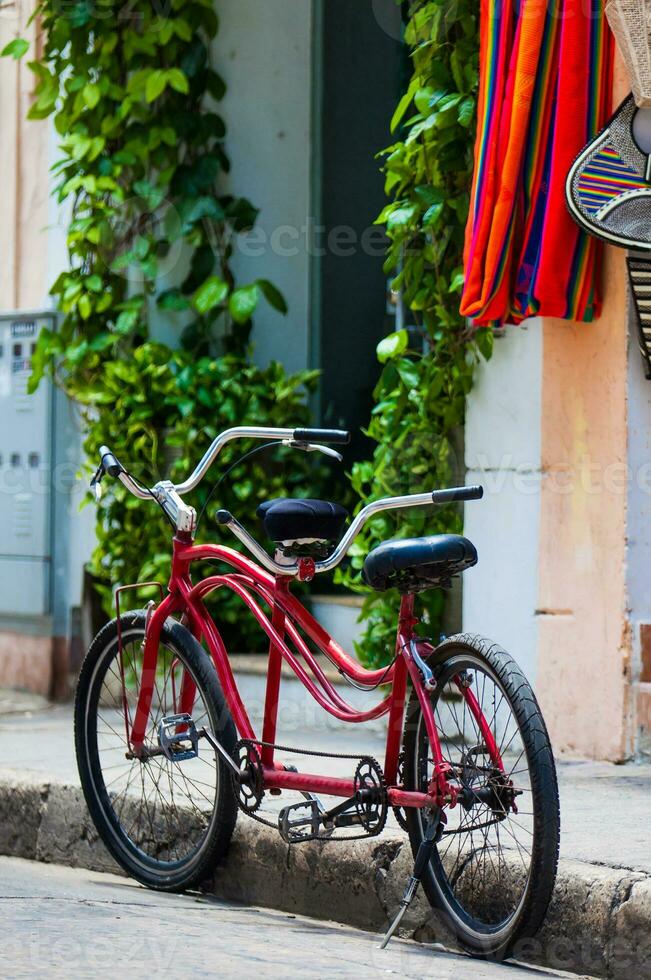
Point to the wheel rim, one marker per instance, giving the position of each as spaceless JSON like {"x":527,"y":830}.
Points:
{"x":161,"y":811}
{"x":481,"y":867}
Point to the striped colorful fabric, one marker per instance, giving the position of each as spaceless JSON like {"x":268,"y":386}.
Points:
{"x":545,"y":89}
{"x":605,"y":176}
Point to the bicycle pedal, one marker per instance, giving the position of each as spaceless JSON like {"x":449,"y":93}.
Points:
{"x":177,"y":746}
{"x":299,"y":828}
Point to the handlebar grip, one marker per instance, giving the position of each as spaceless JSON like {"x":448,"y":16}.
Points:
{"x":110,"y":463}
{"x":457,"y":493}
{"x":337,"y":437}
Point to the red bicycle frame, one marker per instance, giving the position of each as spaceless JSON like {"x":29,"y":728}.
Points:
{"x":283,"y":628}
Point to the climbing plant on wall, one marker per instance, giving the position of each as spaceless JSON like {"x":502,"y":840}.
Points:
{"x":134,"y":98}
{"x":427,"y":367}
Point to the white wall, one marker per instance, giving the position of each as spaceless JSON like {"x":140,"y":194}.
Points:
{"x":263,"y":52}
{"x":503,"y":452}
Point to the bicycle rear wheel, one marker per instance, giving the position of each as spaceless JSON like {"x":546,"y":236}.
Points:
{"x":166,"y":822}
{"x":492,"y":872}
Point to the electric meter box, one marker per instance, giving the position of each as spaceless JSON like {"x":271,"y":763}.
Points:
{"x":27,"y":479}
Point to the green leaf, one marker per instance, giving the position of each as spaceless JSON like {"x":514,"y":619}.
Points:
{"x":409,"y":374}
{"x":457,"y":283}
{"x":173,"y":299}
{"x":466,"y":113}
{"x":432,"y":214}
{"x":194,"y":209}
{"x":425,"y":99}
{"x":484,"y":338}
{"x":216,"y":85}
{"x":243,"y":302}
{"x":392,"y":346}
{"x":177,"y":80}
{"x":156,"y":84}
{"x":401,"y":216}
{"x":84,"y":306}
{"x":210,"y":294}
{"x":428,"y":195}
{"x":91,"y":94}
{"x":15,"y":49}
{"x":272,"y":295}
{"x":183,"y":30}
{"x":403,"y":105}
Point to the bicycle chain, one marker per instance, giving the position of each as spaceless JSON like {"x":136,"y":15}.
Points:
{"x":313,"y":752}
{"x":398,"y":811}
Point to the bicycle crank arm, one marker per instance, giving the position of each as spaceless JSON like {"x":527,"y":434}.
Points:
{"x":347,"y":820}
{"x":420,"y":864}
{"x":241,"y":776}
{"x":333,"y":816}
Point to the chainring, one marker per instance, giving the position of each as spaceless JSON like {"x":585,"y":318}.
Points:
{"x":372,"y":811}
{"x":250,"y":792}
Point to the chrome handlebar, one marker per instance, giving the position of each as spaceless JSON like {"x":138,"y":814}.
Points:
{"x":169,"y":495}
{"x":240,"y":432}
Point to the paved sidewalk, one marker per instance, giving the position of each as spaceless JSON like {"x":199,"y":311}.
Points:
{"x":59,"y":922}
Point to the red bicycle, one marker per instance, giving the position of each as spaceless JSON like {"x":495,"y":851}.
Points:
{"x":167,"y":753}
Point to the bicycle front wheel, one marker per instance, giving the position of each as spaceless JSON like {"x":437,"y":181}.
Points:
{"x":493,"y":870}
{"x":165,"y":821}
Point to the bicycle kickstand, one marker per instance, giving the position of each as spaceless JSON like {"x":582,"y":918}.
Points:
{"x":423,"y":856}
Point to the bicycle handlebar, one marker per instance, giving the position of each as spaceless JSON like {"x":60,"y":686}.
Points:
{"x":289,"y":436}
{"x":169,"y":495}
{"x":336,"y":437}
{"x":110,"y":463}
{"x":226,"y":519}
{"x":457,"y":493}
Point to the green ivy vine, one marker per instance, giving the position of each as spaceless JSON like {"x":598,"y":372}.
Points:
{"x":134,"y":98}
{"x":428,"y":366}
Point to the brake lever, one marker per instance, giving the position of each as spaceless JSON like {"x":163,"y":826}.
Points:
{"x":95,"y":483}
{"x":313,"y":447}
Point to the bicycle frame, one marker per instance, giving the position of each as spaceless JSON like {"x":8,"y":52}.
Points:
{"x":288,"y":617}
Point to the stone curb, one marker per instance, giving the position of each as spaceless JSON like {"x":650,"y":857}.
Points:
{"x":599,"y":922}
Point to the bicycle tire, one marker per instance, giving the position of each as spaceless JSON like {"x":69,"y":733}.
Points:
{"x":152,"y":870}
{"x":478,"y":937}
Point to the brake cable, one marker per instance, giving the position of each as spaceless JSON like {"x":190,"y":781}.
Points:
{"x":241,"y":459}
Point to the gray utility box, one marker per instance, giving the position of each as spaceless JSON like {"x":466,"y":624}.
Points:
{"x":27,"y":480}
